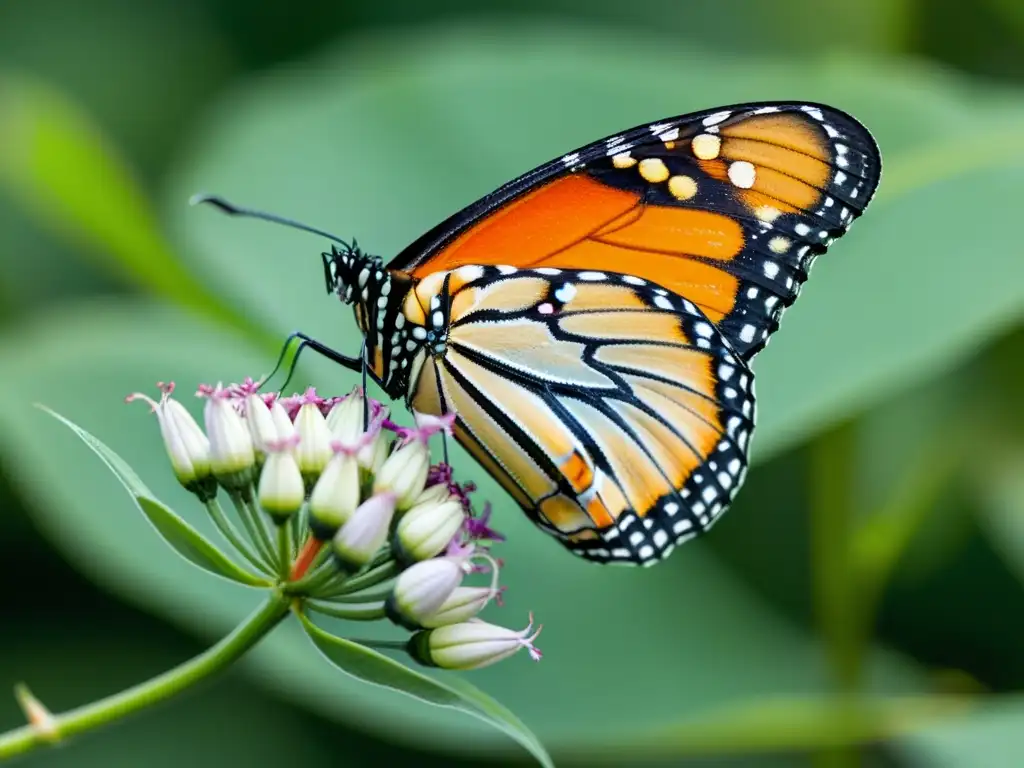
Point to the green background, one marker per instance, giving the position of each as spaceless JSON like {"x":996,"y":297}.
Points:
{"x":862,"y":603}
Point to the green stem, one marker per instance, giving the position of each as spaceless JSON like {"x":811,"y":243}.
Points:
{"x":370,"y":596}
{"x":284,"y":550}
{"x":255,"y":529}
{"x":230,"y":532}
{"x":160,"y":688}
{"x":836,"y":598}
{"x":319,"y":579}
{"x":362,"y":613}
{"x":371,"y":578}
{"x":835,"y":595}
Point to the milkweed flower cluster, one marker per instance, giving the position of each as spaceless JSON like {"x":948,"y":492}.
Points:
{"x":342,"y":509}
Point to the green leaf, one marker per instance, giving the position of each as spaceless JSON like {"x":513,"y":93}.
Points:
{"x":991,"y":737}
{"x":65,"y":172}
{"x":179,"y":535}
{"x":783,"y":724}
{"x":370,"y":666}
{"x":999,"y":483}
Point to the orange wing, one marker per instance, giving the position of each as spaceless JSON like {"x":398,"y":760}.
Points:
{"x":615,"y":414}
{"x":726,"y":208}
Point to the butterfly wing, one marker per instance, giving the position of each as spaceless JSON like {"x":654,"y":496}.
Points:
{"x":611,"y":409}
{"x":727,"y":207}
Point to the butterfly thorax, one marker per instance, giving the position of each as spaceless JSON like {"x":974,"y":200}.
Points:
{"x":377,"y":296}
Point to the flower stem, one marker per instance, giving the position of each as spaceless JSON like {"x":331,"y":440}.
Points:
{"x":360,"y":613}
{"x":255,"y":529}
{"x":160,"y":688}
{"x":284,"y":550}
{"x":230,"y":532}
{"x":371,"y":578}
{"x":370,"y":596}
{"x":315,"y":579}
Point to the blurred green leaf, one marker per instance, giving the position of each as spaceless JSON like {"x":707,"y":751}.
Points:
{"x":179,"y":535}
{"x":372,"y":667}
{"x":394,"y":133}
{"x":783,"y":724}
{"x":999,"y":483}
{"x":692,"y":617}
{"x":992,"y":736}
{"x":881,"y":537}
{"x":61,"y":167}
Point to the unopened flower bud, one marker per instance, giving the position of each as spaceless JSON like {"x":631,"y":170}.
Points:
{"x":438,"y":492}
{"x":187,"y":447}
{"x":427,"y":528}
{"x":281,"y":491}
{"x":346,"y":419}
{"x":422,"y":588}
{"x":462,"y":605}
{"x":314,"y":449}
{"x":335,"y":496}
{"x":359,"y":539}
{"x":404,"y":473}
{"x":282,"y":421}
{"x":232,"y":458}
{"x":261,"y":424}
{"x":349,"y":425}
{"x":471,"y":645}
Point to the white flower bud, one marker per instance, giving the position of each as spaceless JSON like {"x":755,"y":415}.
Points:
{"x":314,"y":449}
{"x":422,"y":588}
{"x":187,"y":447}
{"x":471,"y":645}
{"x":281,"y":491}
{"x":282,"y":423}
{"x":359,"y":539}
{"x":232,"y":458}
{"x":261,"y":424}
{"x":345,"y":421}
{"x":462,"y":605}
{"x":404,"y":473}
{"x":436,"y":492}
{"x":335,"y":496}
{"x":426,"y":529}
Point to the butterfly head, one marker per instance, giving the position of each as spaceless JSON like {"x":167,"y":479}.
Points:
{"x":352,"y":274}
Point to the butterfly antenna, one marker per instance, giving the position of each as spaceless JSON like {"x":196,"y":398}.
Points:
{"x":233,"y":210}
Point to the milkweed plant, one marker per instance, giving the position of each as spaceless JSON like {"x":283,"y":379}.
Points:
{"x":332,"y":510}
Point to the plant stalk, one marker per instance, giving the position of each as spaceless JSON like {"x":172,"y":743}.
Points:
{"x":111,"y":709}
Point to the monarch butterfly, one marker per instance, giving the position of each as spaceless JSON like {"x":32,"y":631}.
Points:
{"x":592,"y":323}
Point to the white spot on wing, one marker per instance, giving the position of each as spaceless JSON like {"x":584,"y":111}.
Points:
{"x":716,"y":118}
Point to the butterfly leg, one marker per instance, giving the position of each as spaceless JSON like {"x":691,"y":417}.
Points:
{"x":306,"y":342}
{"x":366,"y":399}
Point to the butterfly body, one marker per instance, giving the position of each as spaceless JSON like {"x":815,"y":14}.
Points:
{"x":591,"y":324}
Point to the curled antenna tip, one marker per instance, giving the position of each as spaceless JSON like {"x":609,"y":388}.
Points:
{"x":231,"y":209}
{"x":215,"y":200}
